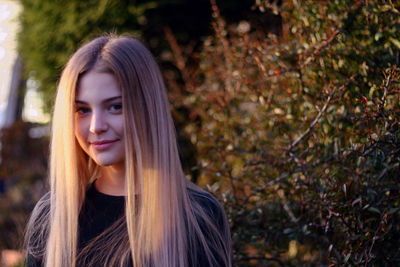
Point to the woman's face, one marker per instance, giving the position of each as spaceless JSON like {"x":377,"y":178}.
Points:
{"x":99,"y":122}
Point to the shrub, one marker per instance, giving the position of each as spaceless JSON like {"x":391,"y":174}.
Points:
{"x":299,"y":132}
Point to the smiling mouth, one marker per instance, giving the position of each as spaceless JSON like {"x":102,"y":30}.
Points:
{"x":103,"y":145}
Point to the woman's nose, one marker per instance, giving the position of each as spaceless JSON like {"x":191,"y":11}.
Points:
{"x":98,"y":123}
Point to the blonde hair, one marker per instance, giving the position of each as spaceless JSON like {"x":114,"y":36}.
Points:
{"x":162,"y":226}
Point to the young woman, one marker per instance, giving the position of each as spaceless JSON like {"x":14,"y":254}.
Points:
{"x":118,"y":195}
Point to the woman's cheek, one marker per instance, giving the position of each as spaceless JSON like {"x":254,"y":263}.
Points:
{"x":81,"y":133}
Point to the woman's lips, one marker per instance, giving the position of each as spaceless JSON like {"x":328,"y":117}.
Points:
{"x":103,"y":145}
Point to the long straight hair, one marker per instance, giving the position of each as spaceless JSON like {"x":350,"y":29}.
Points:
{"x":162,"y":224}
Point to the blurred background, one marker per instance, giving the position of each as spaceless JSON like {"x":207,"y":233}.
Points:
{"x":287,"y":111}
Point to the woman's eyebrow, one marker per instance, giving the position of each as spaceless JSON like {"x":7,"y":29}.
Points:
{"x":104,"y":101}
{"x":111,"y":99}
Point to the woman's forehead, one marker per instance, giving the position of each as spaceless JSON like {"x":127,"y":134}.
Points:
{"x":97,"y":85}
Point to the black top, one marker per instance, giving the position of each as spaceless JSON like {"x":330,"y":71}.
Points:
{"x":100,"y":211}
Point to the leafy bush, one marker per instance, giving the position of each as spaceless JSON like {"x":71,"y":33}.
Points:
{"x":299,"y":133}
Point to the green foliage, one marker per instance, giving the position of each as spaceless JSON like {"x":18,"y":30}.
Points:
{"x":299,"y":133}
{"x":53,"y":30}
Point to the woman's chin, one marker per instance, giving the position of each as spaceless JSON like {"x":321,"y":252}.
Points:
{"x":103,"y":162}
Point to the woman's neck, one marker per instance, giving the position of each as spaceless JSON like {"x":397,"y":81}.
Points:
{"x":111,"y":181}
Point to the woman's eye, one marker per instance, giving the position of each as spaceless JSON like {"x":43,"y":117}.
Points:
{"x":116,"y":107}
{"x":82,"y":110}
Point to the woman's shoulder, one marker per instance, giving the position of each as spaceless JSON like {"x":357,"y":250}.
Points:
{"x":214,"y":226}
{"x":205,"y":199}
{"x":45,"y":198}
{"x":39,"y":219}
{"x":209,"y":204}
{"x":42,"y":207}
{"x":37,"y":230}
{"x":40,"y":215}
